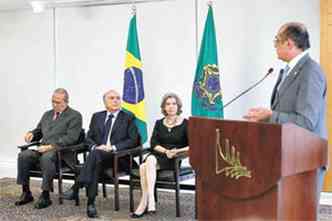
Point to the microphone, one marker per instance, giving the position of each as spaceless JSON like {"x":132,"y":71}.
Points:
{"x":251,"y":87}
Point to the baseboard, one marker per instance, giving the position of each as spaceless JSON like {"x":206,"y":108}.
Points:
{"x":8,"y":168}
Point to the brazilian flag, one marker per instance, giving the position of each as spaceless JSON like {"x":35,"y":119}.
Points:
{"x":206,"y":95}
{"x":133,"y":89}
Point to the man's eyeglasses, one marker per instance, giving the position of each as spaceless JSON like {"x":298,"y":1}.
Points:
{"x":57,"y":102}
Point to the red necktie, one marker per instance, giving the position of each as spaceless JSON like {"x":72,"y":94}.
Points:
{"x":56,"y":116}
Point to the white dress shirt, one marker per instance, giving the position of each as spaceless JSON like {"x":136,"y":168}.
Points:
{"x":295,"y":60}
{"x":115,"y":115}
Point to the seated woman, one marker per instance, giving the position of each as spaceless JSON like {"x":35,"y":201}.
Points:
{"x":169,"y":137}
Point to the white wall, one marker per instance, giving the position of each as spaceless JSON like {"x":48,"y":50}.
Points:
{"x":27,"y":79}
{"x":245,"y":33}
{"x":91,"y":52}
{"x":90,"y":49}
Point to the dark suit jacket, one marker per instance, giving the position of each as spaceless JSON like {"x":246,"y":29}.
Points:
{"x":61,"y":132}
{"x":124,"y":134}
{"x":301,"y":98}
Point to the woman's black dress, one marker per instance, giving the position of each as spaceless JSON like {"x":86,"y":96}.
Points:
{"x":175,"y":137}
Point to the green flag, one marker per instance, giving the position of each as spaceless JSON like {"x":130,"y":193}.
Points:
{"x":206,"y":96}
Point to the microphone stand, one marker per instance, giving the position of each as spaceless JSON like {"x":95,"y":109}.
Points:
{"x":251,"y":87}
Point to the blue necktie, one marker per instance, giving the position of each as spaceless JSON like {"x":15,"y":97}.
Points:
{"x":107,"y":127}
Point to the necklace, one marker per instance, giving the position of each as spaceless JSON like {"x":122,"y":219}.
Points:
{"x":170,"y":123}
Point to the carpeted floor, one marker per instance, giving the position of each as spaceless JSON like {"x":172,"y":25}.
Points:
{"x":9,"y":192}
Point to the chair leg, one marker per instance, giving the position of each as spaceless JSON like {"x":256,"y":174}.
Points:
{"x":116,"y":184}
{"x":77,"y":198}
{"x":104,"y":190}
{"x":116,"y":194}
{"x":131,"y":200}
{"x":60,"y":184}
{"x":131,"y":195}
{"x":155,"y":193}
{"x":177,"y":198}
{"x":60,"y":190}
{"x":177,"y":190}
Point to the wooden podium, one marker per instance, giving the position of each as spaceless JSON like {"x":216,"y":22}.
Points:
{"x":255,"y":171}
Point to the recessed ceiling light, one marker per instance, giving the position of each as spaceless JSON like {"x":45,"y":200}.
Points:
{"x":38,"y":6}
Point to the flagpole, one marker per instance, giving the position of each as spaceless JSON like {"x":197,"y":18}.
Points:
{"x":133,"y":9}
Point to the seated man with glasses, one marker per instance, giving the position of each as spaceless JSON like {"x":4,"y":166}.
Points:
{"x":60,"y":126}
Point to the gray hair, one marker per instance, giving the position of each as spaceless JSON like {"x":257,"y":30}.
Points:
{"x":64,"y":92}
{"x":298,"y":33}
{"x":165,"y":98}
{"x":108,"y":92}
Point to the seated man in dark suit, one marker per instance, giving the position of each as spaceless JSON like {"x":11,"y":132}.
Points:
{"x":109,"y":130}
{"x":60,"y":126}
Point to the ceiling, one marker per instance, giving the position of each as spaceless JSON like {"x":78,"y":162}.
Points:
{"x":13,"y":4}
{"x":9,"y":5}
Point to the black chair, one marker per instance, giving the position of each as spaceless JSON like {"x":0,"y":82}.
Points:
{"x":167,"y":179}
{"x":63,"y":171}
{"x":112,"y":175}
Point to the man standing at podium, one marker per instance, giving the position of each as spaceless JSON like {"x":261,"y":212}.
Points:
{"x":299,"y":95}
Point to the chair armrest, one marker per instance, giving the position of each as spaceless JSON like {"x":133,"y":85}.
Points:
{"x":177,"y":159}
{"x":79,"y":148}
{"x":74,"y":149}
{"x":181,"y":156}
{"x":129,"y":152}
{"x":26,"y":146}
{"x":145,"y":151}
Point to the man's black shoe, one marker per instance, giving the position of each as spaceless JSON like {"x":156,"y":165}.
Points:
{"x":26,"y":197}
{"x":91,"y":211}
{"x":43,"y":203}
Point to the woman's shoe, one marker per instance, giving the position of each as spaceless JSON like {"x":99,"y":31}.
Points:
{"x":137,"y":216}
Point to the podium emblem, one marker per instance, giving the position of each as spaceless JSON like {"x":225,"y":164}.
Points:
{"x":230,"y":156}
